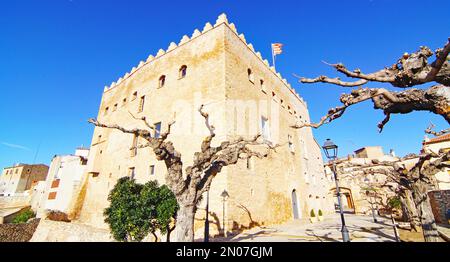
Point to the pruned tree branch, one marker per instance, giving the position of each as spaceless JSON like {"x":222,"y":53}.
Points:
{"x":410,"y":70}
{"x":430,"y":131}
{"x":436,"y":99}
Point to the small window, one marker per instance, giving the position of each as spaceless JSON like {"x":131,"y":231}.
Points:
{"x":99,"y":138}
{"x":183,"y":71}
{"x":106,"y":111}
{"x":158,"y":130}
{"x":282,"y":102}
{"x":134,"y":146}
{"x":124,"y":101}
{"x":141,"y":104}
{"x":263,"y":86}
{"x":250,"y":163}
{"x":134,"y":96}
{"x":152,"y":170}
{"x":291,"y":144}
{"x":265,"y":128}
{"x":162,"y":81}
{"x":250,"y":75}
{"x":131,"y":172}
{"x":115,"y":107}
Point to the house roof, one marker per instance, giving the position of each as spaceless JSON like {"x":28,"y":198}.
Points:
{"x":438,"y":139}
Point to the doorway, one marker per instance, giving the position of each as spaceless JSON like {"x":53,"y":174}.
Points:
{"x":295,"y":208}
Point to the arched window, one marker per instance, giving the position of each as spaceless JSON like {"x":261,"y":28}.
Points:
{"x":182,"y":72}
{"x":162,"y":81}
{"x":250,"y":75}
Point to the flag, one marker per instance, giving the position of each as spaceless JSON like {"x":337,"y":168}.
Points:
{"x":277,"y":48}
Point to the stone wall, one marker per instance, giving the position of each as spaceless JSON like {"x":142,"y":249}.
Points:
{"x":18,"y":232}
{"x":440,"y":203}
{"x":55,"y":231}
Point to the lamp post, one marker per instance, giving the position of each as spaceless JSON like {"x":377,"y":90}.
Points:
{"x":371,"y":199}
{"x":331,"y":151}
{"x":207,"y":218}
{"x":224,"y":196}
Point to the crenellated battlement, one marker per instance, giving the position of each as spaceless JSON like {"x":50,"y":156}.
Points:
{"x":222,"y":19}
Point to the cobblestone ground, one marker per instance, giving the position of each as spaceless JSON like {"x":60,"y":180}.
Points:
{"x":361,"y":228}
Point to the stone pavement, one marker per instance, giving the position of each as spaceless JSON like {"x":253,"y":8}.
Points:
{"x":361,"y":229}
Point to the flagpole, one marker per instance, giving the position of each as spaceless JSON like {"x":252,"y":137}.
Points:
{"x":273,"y":56}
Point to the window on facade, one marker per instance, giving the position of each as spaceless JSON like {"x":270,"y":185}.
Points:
{"x":158,"y":130}
{"x":134,"y":96}
{"x":162,"y":81}
{"x":134,"y":146}
{"x":250,"y":163}
{"x":106,"y":111}
{"x":274,"y":96}
{"x":291,"y":144}
{"x":99,"y":138}
{"x":115,"y":107}
{"x":250,"y":75}
{"x":265,"y":128}
{"x":152,"y":170}
{"x":305,"y":150}
{"x":183,"y":71}
{"x":124,"y":101}
{"x":282,"y":102}
{"x":141,"y":104}
{"x":263,"y":85}
{"x":131,"y":172}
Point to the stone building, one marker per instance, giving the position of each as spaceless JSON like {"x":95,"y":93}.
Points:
{"x":18,"y":179}
{"x":440,"y":196}
{"x":244,"y":96}
{"x":63,"y":183}
{"x":436,"y":144}
{"x":356,"y":186}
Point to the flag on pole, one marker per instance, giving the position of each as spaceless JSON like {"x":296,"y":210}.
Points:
{"x":277,"y":48}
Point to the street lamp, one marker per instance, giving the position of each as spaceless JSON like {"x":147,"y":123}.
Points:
{"x":331,"y":151}
{"x":224,"y":196}
{"x":371,"y":200}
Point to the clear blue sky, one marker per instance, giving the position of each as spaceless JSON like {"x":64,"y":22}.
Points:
{"x":56,"y":57}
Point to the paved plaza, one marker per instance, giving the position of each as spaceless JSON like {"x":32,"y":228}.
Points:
{"x":361,"y":229}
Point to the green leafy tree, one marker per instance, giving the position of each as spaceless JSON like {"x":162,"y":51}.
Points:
{"x":137,"y":210}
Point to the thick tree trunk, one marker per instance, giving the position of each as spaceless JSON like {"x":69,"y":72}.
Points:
{"x":429,"y":228}
{"x":169,"y":231}
{"x":410,"y":211}
{"x":184,"y":231}
{"x":423,"y":205}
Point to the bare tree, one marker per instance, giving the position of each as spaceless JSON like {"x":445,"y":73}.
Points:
{"x":189,"y":184}
{"x":412,"y":185}
{"x":409,"y":71}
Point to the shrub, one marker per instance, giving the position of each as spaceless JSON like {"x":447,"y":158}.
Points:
{"x":320,"y":213}
{"x":395,"y":202}
{"x":312,"y":213}
{"x":136,"y":210}
{"x":23,"y":217}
